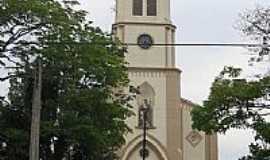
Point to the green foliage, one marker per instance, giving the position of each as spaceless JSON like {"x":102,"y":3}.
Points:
{"x":236,"y":103}
{"x":257,"y":153}
{"x":82,"y":117}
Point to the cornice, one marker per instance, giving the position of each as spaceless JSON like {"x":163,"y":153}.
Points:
{"x":145,"y":23}
{"x":154,"y":69}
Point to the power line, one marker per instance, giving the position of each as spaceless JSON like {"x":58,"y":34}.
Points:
{"x":205,"y":44}
{"x":249,"y":45}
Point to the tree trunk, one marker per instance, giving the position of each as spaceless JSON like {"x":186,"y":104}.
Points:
{"x":36,"y":107}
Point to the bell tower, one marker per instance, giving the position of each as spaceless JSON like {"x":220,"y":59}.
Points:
{"x":146,"y":22}
{"x":147,"y":26}
{"x":152,"y":69}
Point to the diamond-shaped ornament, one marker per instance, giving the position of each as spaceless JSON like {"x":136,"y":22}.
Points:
{"x":194,"y":138}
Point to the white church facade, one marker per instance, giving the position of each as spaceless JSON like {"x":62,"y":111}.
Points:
{"x":153,"y":70}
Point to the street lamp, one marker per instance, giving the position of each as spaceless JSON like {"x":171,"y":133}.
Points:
{"x":145,"y":108}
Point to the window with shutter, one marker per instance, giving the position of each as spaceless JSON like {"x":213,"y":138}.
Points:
{"x":137,"y":7}
{"x":151,"y":7}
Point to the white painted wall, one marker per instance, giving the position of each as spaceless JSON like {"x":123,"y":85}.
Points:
{"x":190,"y":152}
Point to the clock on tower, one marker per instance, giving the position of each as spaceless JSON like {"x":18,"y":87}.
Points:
{"x":146,"y":22}
{"x":145,"y":41}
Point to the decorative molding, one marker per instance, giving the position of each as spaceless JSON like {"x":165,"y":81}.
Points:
{"x":173,"y":48}
{"x":171,"y":26}
{"x":194,"y":138}
{"x":151,"y":74}
{"x":137,"y":140}
{"x":166,"y":47}
{"x":156,"y":69}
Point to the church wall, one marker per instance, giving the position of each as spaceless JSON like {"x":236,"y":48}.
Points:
{"x":141,"y":57}
{"x":159,"y":56}
{"x":211,"y":145}
{"x":157,"y":80}
{"x":193,"y":149}
{"x":173,"y":115}
{"x":167,"y":118}
{"x":170,"y":50}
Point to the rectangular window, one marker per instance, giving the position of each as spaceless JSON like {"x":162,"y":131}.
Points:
{"x":151,"y":7}
{"x":137,"y":7}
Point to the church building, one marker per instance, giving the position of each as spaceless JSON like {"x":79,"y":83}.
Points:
{"x":152,"y":69}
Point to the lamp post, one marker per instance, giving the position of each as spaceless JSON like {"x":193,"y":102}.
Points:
{"x":144,"y":112}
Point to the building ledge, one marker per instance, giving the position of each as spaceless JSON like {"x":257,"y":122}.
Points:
{"x":145,"y":23}
{"x":155,"y":69}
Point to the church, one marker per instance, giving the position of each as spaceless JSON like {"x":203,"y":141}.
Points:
{"x":152,"y":69}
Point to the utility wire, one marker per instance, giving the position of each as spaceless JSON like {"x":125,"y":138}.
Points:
{"x":205,"y":44}
{"x":251,"y":45}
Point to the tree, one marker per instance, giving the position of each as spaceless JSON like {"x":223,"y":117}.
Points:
{"x":240,"y":103}
{"x":237,"y":103}
{"x":255,"y":25}
{"x":82,"y":116}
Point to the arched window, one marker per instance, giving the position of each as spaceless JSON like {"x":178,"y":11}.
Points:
{"x":137,"y":9}
{"x":151,"y":7}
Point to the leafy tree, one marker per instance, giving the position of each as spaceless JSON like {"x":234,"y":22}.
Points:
{"x":237,"y":103}
{"x":240,"y":103}
{"x":255,"y":25}
{"x":82,"y":118}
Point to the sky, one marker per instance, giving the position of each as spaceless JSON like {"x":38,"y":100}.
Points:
{"x":207,"y":21}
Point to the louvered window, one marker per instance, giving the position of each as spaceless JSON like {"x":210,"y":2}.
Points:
{"x":137,"y":7}
{"x":151,"y":7}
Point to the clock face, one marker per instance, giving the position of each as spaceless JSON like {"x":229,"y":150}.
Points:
{"x":145,"y":41}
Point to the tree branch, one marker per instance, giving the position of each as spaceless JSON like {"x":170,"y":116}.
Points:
{"x":10,"y":76}
{"x":258,"y":27}
{"x":265,"y":114}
